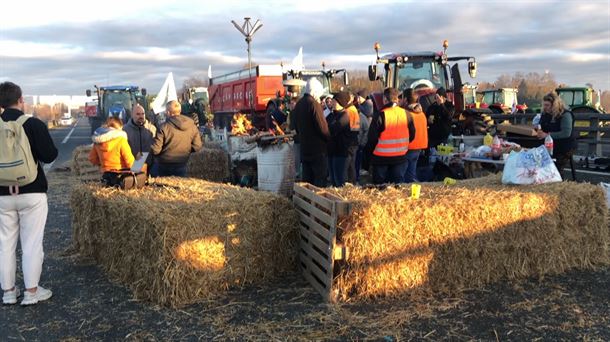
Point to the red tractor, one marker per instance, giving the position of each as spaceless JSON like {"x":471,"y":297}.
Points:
{"x":423,"y":71}
{"x":501,"y":101}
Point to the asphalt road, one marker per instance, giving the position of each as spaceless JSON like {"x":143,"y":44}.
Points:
{"x":66,"y":139}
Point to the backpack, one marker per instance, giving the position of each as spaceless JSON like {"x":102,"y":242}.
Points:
{"x":17,"y":164}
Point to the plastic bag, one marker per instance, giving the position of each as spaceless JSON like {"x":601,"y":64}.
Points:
{"x":606,"y":187}
{"x":534,"y":166}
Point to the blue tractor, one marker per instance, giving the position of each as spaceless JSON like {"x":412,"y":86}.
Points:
{"x":116,"y":101}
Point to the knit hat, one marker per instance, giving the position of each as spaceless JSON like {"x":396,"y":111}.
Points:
{"x":342,"y":98}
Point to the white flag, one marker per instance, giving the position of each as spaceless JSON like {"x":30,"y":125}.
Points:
{"x":166,"y":94}
{"x":210,"y":71}
{"x":297,"y":62}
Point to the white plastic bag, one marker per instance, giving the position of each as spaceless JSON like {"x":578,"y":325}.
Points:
{"x":534,"y":166}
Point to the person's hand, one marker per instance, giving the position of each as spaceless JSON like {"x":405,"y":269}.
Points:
{"x":439,"y":99}
{"x":431,"y":119}
{"x":138,"y":155}
{"x":541,"y":134}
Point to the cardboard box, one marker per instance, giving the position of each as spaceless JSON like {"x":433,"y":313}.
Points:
{"x":526,"y":130}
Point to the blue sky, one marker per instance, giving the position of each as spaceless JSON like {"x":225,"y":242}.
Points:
{"x":64,"y":47}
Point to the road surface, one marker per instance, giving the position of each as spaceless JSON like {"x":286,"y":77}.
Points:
{"x":66,"y":139}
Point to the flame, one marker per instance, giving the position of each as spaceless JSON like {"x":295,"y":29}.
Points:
{"x":277,"y":130}
{"x":241,"y":125}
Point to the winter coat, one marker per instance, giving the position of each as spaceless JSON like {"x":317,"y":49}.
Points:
{"x":140,"y":138}
{"x":110,"y":150}
{"x":176,"y":140}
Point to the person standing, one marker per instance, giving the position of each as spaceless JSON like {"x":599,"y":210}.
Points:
{"x":440,"y":118}
{"x":388,"y":141}
{"x":140,"y":135}
{"x":312,"y":130}
{"x":342,"y":138}
{"x":558,"y":122}
{"x":23,"y":210}
{"x":418,"y":133}
{"x":177,"y":138}
{"x":352,"y":148}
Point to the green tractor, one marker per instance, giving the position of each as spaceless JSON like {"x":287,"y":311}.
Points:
{"x":196,"y":104}
{"x":580,"y":100}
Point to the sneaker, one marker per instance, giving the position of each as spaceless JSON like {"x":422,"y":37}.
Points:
{"x":10,"y":297}
{"x":38,"y":296}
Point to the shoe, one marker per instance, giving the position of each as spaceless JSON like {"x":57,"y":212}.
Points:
{"x":38,"y":296}
{"x":10,"y":297}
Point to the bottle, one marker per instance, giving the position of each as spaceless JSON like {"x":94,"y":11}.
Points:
{"x":487,"y":140}
{"x":496,"y":148}
{"x":548,"y":143}
{"x":462,"y":147}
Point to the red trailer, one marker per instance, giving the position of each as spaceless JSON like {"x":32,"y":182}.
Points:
{"x":229,"y":93}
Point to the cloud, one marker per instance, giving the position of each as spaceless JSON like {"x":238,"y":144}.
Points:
{"x":135,"y":43}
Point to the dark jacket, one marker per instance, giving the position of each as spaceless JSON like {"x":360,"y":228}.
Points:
{"x":311,"y":126}
{"x":561,"y":130}
{"x":440,"y":128}
{"x":341,"y":136}
{"x":140,"y":138}
{"x":176,"y":140}
{"x":43,"y":150}
{"x":375,"y":129}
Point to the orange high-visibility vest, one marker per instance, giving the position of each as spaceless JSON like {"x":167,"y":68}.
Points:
{"x":420,"y":122}
{"x":394,"y":140}
{"x":354,"y":118}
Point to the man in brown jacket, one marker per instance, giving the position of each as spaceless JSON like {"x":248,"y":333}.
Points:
{"x":176,"y":139}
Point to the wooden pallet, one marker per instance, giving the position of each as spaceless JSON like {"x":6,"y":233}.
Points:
{"x":319,"y":213}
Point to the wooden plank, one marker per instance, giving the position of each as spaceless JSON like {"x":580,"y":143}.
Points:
{"x":316,"y":241}
{"x":323,"y":260}
{"x":319,"y":214}
{"x":324,"y":275}
{"x":319,"y":200}
{"x":322,"y":290}
{"x":343,"y":208}
{"x":315,"y":226}
{"x":340,"y":252}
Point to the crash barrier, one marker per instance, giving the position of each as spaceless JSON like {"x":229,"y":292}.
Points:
{"x":365,"y":243}
{"x":596,"y":137}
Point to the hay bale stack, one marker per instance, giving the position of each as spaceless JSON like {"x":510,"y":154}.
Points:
{"x":467,"y":235}
{"x":82,"y":167}
{"x":211,"y":164}
{"x":183,"y":240}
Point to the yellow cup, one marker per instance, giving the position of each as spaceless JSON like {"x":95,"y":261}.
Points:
{"x":415,"y":191}
{"x":449,"y":181}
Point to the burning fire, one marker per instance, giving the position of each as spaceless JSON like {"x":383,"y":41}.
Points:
{"x":278,"y":130}
{"x":241,"y":125}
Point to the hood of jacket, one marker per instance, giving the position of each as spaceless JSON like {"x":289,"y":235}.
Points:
{"x":181,"y":122}
{"x":108,"y":138}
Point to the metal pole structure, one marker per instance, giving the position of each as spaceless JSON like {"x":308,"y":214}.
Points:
{"x":248,"y":30}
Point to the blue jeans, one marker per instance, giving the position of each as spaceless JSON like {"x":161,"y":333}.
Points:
{"x":411,"y":171}
{"x":168,"y":170}
{"x":338,"y":170}
{"x":389,"y":173}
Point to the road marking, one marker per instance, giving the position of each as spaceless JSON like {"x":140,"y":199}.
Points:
{"x":47,"y":167}
{"x":69,"y":134}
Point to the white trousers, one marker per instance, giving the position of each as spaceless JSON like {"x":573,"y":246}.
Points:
{"x":22,"y":216}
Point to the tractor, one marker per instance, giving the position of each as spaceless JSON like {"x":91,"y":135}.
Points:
{"x":580,"y":100}
{"x":116,"y":101}
{"x":195,"y":104}
{"x":501,"y":101}
{"x":423,"y":71}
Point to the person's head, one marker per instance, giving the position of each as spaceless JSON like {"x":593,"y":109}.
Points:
{"x":409,"y":96}
{"x":173,"y":108}
{"x":314,"y":88}
{"x":10,"y":95}
{"x":390,"y":95}
{"x":114,"y":122}
{"x":442,"y":92}
{"x":552,"y":104}
{"x":138,"y":115}
{"x":341,"y":100}
{"x":329,"y":101}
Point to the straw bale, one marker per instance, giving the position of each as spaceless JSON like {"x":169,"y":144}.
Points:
{"x":466,"y":235}
{"x":211,"y":164}
{"x":180,"y":241}
{"x":82,"y":168}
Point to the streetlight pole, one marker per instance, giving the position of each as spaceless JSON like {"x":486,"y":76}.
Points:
{"x":248,"y":30}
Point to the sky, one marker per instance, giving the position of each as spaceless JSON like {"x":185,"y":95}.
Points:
{"x":64,"y":47}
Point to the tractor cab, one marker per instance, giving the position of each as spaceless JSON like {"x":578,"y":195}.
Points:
{"x":116,"y":101}
{"x":423,"y":71}
{"x":324,"y":76}
{"x":579,"y":99}
{"x":501,"y":100}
